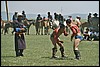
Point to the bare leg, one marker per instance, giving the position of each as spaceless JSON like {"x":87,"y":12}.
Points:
{"x":54,"y":49}
{"x":75,"y":47}
{"x":61,"y":49}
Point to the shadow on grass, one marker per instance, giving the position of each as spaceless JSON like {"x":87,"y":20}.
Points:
{"x":8,"y":56}
{"x":60,"y":58}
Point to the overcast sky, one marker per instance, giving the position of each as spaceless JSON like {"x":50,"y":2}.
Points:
{"x":42,"y":7}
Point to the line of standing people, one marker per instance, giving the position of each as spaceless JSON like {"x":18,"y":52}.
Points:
{"x":40,"y":22}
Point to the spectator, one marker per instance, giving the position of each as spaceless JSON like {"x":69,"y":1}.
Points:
{"x":86,"y":34}
{"x":70,"y":17}
{"x":95,"y":22}
{"x":89,"y":17}
{"x":94,"y":35}
{"x":55,"y":16}
{"x":38,"y":24}
{"x":60,"y":18}
{"x":77,"y":20}
{"x":24,"y":15}
{"x":50,"y":17}
{"x":15,"y":16}
{"x":78,"y":23}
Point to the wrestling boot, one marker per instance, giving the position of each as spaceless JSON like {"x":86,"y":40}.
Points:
{"x":21,"y":52}
{"x":17,"y":53}
{"x":54,"y":50}
{"x":62,"y":52}
{"x":77,"y":54}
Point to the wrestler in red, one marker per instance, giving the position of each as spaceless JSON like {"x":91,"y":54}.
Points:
{"x":54,"y":37}
{"x":77,"y":34}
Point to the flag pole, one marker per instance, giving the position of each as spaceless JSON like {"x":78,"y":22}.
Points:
{"x":7,"y":11}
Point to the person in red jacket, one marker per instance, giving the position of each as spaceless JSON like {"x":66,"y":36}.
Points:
{"x":54,"y":37}
{"x":77,"y":34}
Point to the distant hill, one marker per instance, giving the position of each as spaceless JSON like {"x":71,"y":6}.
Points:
{"x":4,"y":16}
{"x":33,"y":16}
{"x":83,"y":16}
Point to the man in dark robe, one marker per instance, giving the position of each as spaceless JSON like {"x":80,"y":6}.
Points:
{"x":20,"y":44}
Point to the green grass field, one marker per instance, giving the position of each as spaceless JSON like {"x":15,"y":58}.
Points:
{"x":38,"y":52}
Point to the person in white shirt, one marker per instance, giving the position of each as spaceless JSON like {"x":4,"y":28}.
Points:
{"x":86,"y":34}
{"x":77,"y":20}
{"x":94,"y":35}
